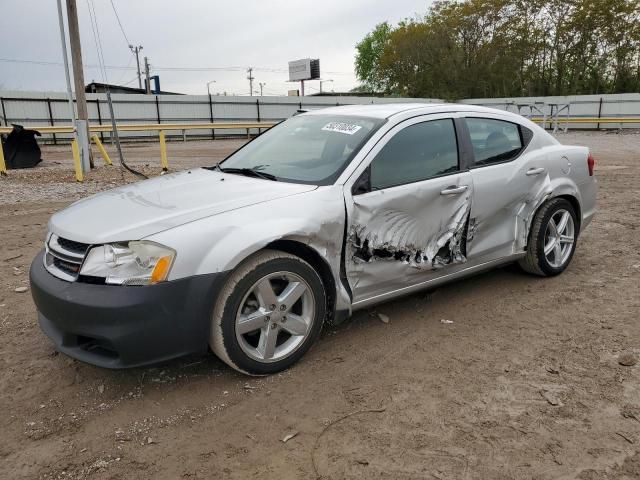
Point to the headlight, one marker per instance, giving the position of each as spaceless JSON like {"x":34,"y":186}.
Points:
{"x":131,"y":263}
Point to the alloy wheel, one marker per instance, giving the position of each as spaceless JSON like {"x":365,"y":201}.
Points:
{"x":275,"y":317}
{"x":559,"y":238}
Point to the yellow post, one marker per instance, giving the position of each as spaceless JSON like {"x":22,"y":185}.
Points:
{"x":3,"y":166}
{"x":103,"y":151}
{"x":163,"y":152}
{"x":76,"y":160}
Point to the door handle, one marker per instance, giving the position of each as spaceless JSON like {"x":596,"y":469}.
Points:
{"x":535,"y":171}
{"x":453,"y":190}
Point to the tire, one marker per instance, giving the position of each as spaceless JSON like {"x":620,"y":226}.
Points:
{"x":543,"y":233}
{"x":252,"y":308}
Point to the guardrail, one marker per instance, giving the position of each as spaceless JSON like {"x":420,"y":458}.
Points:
{"x":554,"y":123}
{"x":153,"y":127}
{"x":165,"y":127}
{"x":592,"y":120}
{"x":160,"y":128}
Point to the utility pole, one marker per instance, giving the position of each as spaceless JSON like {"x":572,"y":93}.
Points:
{"x":82,"y":124}
{"x":251,"y":78}
{"x":146,"y":73}
{"x":63,"y":40}
{"x":136,"y":50}
{"x":262,"y":84}
{"x":208,"y":89}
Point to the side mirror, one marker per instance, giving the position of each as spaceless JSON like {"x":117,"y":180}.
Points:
{"x":363,"y":184}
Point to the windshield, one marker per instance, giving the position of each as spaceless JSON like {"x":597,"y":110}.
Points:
{"x":312,"y":149}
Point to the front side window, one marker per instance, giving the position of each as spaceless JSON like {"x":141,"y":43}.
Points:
{"x":416,"y":153}
{"x":494,"y":141}
{"x":311,"y":149}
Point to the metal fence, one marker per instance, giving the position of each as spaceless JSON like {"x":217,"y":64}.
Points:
{"x":52,"y":109}
{"x":624,"y":106}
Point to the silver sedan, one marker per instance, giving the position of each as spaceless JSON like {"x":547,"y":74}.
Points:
{"x":328,"y":212}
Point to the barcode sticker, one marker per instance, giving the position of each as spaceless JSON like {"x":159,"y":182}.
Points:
{"x":341,"y":127}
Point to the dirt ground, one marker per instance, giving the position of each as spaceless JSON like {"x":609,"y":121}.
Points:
{"x":524,"y":384}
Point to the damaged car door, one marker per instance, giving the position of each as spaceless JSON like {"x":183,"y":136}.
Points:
{"x":510,"y":179}
{"x":408,"y":209}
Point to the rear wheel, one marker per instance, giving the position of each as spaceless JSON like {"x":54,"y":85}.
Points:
{"x":269,"y":313}
{"x":552,"y":239}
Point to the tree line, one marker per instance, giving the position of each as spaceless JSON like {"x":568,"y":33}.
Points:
{"x":506,"y":48}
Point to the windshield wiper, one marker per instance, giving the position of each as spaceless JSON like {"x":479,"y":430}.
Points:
{"x":248,"y":172}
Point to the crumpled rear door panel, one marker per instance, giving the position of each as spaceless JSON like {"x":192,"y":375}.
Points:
{"x":504,"y":201}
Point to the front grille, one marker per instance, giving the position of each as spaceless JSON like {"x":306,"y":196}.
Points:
{"x":71,"y":246}
{"x":67,"y":267}
{"x":64,"y":257}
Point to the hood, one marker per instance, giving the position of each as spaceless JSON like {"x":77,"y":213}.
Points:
{"x":141,"y":209}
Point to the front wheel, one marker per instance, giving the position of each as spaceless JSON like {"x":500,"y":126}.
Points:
{"x":268,"y":314}
{"x":552,"y":239}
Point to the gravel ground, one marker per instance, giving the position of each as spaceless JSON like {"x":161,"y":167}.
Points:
{"x":526,"y":383}
{"x":54,"y":180}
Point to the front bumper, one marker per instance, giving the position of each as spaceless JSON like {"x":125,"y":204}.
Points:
{"x":116,"y":326}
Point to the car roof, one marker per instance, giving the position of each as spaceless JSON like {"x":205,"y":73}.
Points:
{"x":387,"y":110}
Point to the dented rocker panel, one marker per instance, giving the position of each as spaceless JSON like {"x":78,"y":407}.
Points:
{"x":455,"y":273}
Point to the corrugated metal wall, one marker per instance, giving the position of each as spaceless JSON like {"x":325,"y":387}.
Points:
{"x":42,"y":108}
{"x":37,"y":108}
{"x":619,"y":105}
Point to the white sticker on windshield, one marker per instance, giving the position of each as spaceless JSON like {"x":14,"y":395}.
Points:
{"x":341,"y":127}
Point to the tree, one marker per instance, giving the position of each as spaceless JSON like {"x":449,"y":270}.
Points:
{"x":369,"y":51}
{"x":504,"y":48}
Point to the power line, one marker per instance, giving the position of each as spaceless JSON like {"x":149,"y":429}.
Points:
{"x":120,"y":67}
{"x":124,"y":73}
{"x":59,"y":64}
{"x":36,"y":62}
{"x":96,"y":39}
{"x":129,"y":82}
{"x":120,"y":23}
{"x":135,"y":50}
{"x":96,"y":32}
{"x":178,"y":69}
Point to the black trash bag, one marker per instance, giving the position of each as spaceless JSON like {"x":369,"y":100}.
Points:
{"x":21,"y":149}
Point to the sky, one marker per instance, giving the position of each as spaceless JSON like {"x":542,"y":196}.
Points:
{"x":192,"y":42}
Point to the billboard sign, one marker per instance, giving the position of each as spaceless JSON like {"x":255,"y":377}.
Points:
{"x":304,"y":69}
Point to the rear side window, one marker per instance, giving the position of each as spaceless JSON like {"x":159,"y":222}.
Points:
{"x":494,"y":141}
{"x":416,"y":153}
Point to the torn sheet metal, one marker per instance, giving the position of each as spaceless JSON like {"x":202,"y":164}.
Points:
{"x":537,"y":196}
{"x":504,"y":202}
{"x":397,"y":235}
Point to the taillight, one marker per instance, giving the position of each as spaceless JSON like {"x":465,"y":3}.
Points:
{"x":591,"y":163}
